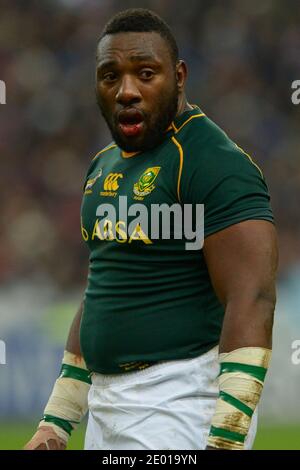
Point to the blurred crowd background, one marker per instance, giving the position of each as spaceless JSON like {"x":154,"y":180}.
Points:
{"x":242,"y":56}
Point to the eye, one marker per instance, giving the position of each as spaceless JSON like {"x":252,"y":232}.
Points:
{"x":146,"y":74}
{"x":109,"y":77}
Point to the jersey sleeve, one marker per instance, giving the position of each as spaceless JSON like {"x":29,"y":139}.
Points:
{"x":90,"y":172}
{"x":93,"y":169}
{"x":231,"y":186}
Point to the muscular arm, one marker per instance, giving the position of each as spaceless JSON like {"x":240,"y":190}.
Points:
{"x":46,"y":437}
{"x":73,"y":344}
{"x":242,"y":263}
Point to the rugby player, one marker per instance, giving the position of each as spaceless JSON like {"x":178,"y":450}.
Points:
{"x":170,"y":347}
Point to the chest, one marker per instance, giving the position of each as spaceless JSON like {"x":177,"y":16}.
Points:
{"x":117,"y":184}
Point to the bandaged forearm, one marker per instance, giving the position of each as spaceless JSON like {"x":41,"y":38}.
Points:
{"x":68,"y":402}
{"x":241,"y":382}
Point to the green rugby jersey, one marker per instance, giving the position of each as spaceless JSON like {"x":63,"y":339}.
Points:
{"x":152,"y":300}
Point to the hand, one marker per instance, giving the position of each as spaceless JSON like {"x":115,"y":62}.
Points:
{"x":45,"y":439}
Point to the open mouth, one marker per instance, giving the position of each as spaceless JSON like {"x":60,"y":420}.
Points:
{"x":131,"y":122}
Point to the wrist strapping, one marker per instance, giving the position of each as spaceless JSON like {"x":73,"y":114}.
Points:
{"x":241,"y":382}
{"x":68,"y":402}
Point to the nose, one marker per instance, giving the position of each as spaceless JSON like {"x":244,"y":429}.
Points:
{"x":128,"y":92}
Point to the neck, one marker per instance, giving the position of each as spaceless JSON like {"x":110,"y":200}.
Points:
{"x":183,"y":105}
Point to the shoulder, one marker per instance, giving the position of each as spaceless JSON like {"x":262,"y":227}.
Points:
{"x":207,"y":147}
{"x":110,"y":147}
{"x":198,"y":130}
{"x":104,"y":152}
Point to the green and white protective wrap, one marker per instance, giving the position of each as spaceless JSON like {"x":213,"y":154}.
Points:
{"x":241,"y":381}
{"x":68,"y":402}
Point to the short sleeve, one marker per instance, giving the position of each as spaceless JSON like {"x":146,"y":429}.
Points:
{"x":90,"y":172}
{"x":227,"y":181}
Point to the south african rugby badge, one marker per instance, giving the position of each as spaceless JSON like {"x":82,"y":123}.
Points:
{"x":145,"y":185}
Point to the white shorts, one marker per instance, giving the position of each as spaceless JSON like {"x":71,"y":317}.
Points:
{"x":168,"y":406}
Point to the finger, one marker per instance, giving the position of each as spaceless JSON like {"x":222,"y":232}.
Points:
{"x":52,"y":444}
{"x":49,"y":444}
{"x":32,"y":445}
{"x":41,"y":446}
{"x":45,"y":439}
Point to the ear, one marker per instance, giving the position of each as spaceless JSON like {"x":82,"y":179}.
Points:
{"x":181,"y":74}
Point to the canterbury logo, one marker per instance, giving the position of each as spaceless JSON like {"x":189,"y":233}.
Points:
{"x":111,"y":181}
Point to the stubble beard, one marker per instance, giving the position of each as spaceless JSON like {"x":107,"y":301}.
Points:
{"x":155,"y":125}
